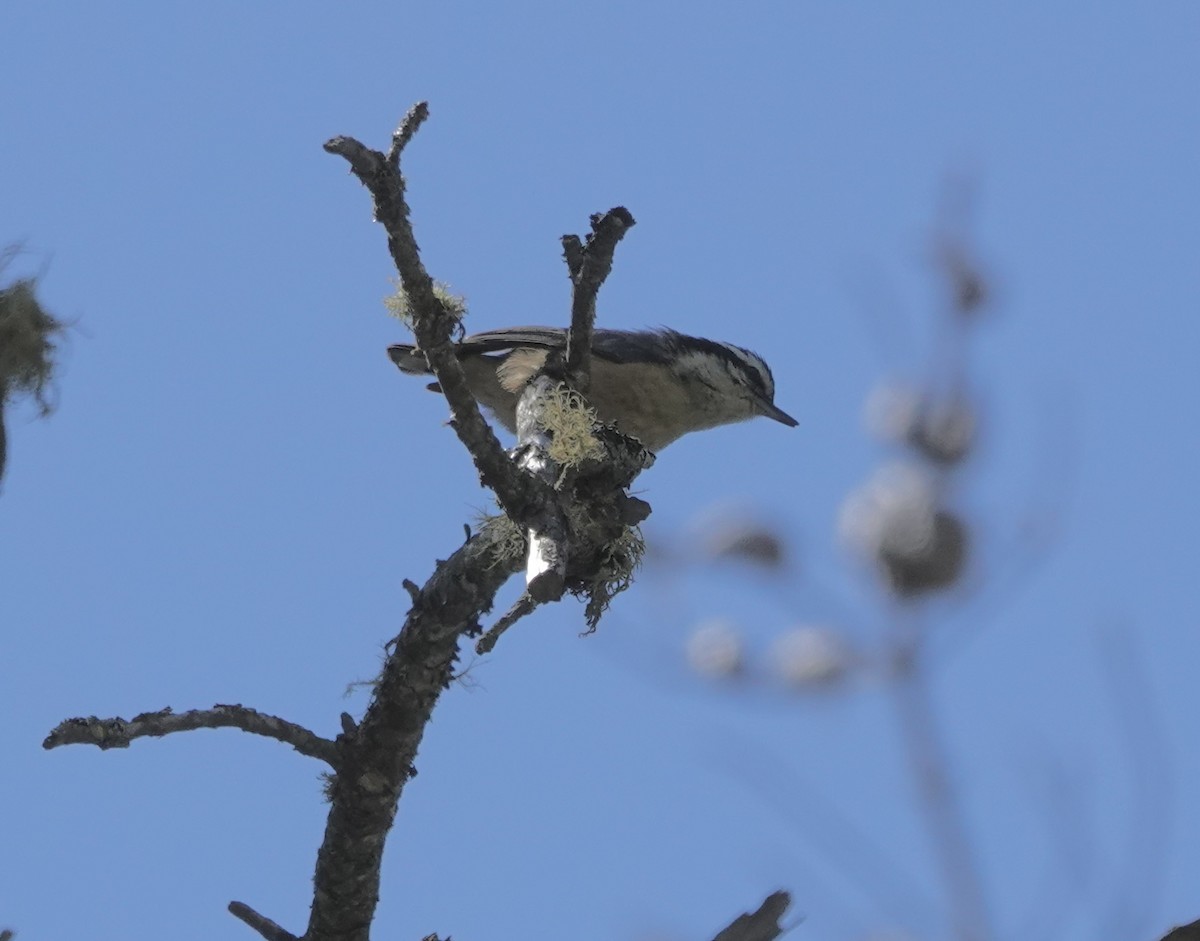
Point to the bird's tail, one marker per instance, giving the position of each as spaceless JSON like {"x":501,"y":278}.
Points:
{"x":408,"y":359}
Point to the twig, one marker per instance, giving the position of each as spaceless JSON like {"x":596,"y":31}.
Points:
{"x":589,"y":265}
{"x":1138,"y":880}
{"x":761,"y":924}
{"x":521,"y":607}
{"x":260,"y":923}
{"x":118,"y":733}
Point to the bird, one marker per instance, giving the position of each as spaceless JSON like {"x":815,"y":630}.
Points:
{"x":652,"y":385}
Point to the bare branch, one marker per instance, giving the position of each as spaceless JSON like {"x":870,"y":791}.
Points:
{"x":760,"y":925}
{"x":521,"y":607}
{"x":589,"y":265}
{"x":522,"y":498}
{"x":378,"y":760}
{"x":573,"y":254}
{"x":408,"y":127}
{"x":412,"y":588}
{"x":118,"y":733}
{"x":937,"y":797}
{"x":260,"y":923}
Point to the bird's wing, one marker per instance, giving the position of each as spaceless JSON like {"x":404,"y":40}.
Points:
{"x":614,"y":345}
{"x":510,"y":338}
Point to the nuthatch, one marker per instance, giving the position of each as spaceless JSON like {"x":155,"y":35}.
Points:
{"x":655,"y":386}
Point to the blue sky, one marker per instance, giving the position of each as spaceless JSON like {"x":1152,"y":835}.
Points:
{"x":237,"y":480}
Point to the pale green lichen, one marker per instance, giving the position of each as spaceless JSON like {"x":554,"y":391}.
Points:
{"x":505,"y":538}
{"x":620,"y":559}
{"x":566,"y":414}
{"x":399,"y":304}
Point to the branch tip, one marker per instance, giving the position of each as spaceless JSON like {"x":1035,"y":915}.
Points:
{"x":573,"y":253}
{"x":260,"y":923}
{"x":412,"y":122}
{"x":760,"y":925}
{"x":617,"y":216}
{"x":589,"y":263}
{"x":521,"y":607}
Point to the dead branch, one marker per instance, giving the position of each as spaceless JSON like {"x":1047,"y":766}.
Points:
{"x":760,"y":925}
{"x":260,"y":923}
{"x":523,"y":498}
{"x":377,"y":761}
{"x":119,"y":733}
{"x":589,"y":265}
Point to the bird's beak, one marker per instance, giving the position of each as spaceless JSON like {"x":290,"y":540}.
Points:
{"x":772,"y":411}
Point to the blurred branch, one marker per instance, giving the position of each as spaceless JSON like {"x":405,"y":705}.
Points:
{"x":119,"y":733}
{"x":937,"y":796}
{"x":1139,"y":876}
{"x":761,"y":924}
{"x":865,"y":863}
{"x":1071,"y":836}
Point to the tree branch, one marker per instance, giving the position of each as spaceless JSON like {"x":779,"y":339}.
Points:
{"x":521,"y":607}
{"x":412,"y":122}
{"x":1184,"y":933}
{"x":260,"y":923}
{"x":118,"y":732}
{"x":537,"y":433}
{"x":760,"y":925}
{"x":524,"y":499}
{"x":589,"y":265}
{"x":378,"y":760}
